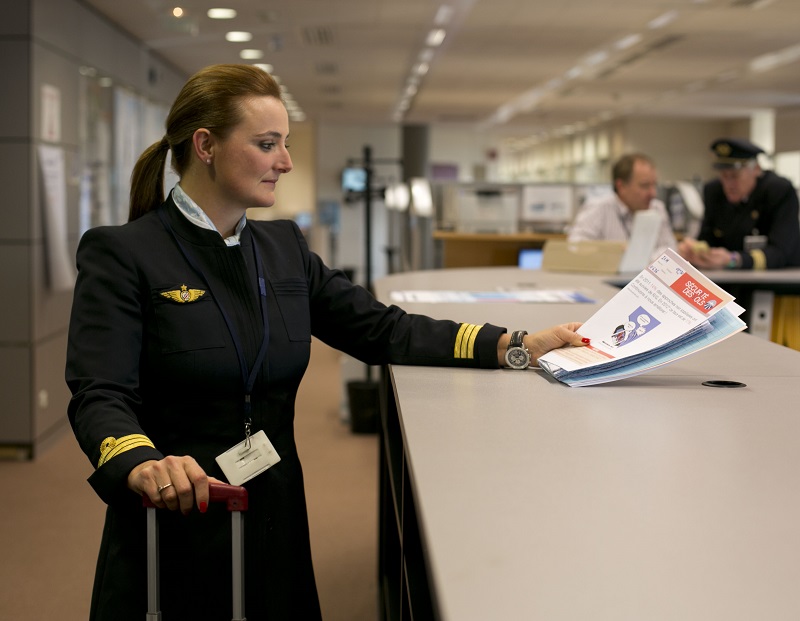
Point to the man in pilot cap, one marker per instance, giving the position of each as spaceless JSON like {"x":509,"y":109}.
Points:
{"x":751,"y":215}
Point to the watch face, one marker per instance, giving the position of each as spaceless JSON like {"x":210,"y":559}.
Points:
{"x":517,"y":358}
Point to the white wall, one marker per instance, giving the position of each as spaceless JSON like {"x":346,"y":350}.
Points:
{"x":679,"y":147}
{"x":466,"y":147}
{"x":787,"y":130}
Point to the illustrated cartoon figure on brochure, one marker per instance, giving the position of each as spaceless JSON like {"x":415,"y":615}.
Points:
{"x":639,"y":323}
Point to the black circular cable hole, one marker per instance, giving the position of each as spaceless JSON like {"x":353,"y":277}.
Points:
{"x":723,"y":384}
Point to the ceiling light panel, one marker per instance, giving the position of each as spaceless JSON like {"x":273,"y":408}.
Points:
{"x":251,"y":54}
{"x":221,"y":13}
{"x":238,"y":36}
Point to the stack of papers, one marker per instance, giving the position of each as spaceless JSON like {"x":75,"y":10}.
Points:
{"x":525,"y":296}
{"x":669,"y":311}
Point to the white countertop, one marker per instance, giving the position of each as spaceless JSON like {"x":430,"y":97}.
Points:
{"x":649,"y":498}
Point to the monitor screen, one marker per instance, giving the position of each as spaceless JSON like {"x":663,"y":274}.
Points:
{"x":546,"y":203}
{"x":530,"y":259}
{"x":354,"y":180}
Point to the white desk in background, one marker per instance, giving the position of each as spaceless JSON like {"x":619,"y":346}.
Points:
{"x":506,"y":495}
{"x":789,"y":278}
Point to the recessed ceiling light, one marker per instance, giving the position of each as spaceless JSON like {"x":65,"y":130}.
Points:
{"x":238,"y":37}
{"x":596,"y":58}
{"x":776,"y":59}
{"x":436,"y":36}
{"x":663,"y":20}
{"x":629,"y":41}
{"x":264,"y":67}
{"x":221,"y":13}
{"x":177,"y":12}
{"x":251,"y":54}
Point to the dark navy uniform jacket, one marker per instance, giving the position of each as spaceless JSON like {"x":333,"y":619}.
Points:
{"x":771,"y":210}
{"x":154,"y":370}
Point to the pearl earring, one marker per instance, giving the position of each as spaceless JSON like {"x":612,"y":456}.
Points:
{"x":208,"y":161}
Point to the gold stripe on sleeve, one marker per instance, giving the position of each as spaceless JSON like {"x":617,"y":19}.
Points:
{"x":111,"y":447}
{"x":759,"y":259}
{"x":465,"y":341}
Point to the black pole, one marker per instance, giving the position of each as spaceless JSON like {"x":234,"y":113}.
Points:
{"x":368,"y":228}
{"x":363,"y":396}
{"x":368,"y":218}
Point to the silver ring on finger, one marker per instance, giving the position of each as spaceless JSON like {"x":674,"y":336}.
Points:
{"x":161,"y":488}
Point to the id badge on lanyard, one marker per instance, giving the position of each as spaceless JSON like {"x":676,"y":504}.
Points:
{"x":754,"y":242}
{"x":248,"y":459}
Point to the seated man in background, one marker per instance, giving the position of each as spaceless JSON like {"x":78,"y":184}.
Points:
{"x":611,"y":217}
{"x":751,"y":215}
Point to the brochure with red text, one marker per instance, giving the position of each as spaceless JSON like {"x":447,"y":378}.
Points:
{"x":668,"y":311}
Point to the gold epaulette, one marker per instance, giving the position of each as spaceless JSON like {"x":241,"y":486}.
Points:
{"x":111,"y":447}
{"x":465,"y":341}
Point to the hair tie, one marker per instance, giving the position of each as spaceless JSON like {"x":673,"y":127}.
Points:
{"x":164,"y":144}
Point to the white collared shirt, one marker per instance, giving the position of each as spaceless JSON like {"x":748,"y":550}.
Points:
{"x":609,"y":218}
{"x":198,"y":217}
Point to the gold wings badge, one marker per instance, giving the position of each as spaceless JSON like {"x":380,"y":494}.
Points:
{"x":184,"y":294}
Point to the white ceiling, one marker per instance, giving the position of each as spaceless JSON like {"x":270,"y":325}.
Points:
{"x":525,"y":65}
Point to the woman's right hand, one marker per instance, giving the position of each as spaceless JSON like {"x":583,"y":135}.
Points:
{"x":174,"y":483}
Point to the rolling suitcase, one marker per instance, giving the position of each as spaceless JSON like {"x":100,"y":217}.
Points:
{"x":235,"y":498}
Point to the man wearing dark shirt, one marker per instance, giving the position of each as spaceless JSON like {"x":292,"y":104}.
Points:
{"x":751,"y":215}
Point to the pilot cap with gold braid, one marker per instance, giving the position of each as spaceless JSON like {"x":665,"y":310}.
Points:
{"x":734,"y":152}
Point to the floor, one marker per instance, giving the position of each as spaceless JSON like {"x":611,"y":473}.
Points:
{"x":51,"y":523}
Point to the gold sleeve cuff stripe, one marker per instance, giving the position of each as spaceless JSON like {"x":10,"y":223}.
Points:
{"x":465,"y":341}
{"x":111,"y":447}
{"x":759,"y":259}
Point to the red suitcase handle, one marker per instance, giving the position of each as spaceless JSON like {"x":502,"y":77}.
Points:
{"x":234,"y":496}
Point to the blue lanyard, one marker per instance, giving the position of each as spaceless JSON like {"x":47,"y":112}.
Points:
{"x":248,"y":375}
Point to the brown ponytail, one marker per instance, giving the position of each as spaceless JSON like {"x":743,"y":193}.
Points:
{"x":147,"y":180}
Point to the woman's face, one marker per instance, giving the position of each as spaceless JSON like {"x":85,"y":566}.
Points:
{"x":248,"y":163}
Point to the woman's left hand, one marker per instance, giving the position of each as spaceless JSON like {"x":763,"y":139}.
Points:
{"x":539,"y":343}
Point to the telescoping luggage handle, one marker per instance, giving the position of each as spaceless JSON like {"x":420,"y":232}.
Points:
{"x":235,"y":499}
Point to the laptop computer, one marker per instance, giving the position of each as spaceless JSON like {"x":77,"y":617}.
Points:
{"x":642,"y":243}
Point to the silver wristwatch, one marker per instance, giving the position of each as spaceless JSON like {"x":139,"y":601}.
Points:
{"x":517,"y":355}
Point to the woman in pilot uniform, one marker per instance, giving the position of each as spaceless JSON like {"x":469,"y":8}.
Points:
{"x":191,"y":330}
